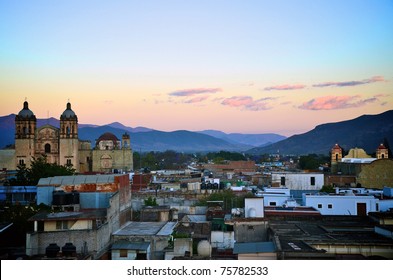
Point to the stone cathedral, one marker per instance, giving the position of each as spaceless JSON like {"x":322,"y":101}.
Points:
{"x":63,"y":147}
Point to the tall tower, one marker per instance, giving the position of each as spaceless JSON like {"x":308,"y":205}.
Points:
{"x":336,"y":157}
{"x":25,"y":126}
{"x":382,"y":152}
{"x":125,"y":141}
{"x":69,"y":142}
{"x":128,"y":162}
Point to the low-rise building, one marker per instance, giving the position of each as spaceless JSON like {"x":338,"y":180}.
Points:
{"x":342,"y":204}
{"x":88,"y":208}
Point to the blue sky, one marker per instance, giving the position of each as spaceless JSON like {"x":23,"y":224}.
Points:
{"x":235,"y":66}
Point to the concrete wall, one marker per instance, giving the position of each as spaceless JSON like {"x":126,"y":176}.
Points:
{"x":298,"y":181}
{"x":253,"y":207}
{"x":251,"y":231}
{"x":222,"y":240}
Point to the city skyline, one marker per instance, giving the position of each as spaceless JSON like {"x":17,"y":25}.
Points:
{"x":234,"y":66}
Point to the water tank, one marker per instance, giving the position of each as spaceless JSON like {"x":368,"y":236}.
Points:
{"x":52,"y":250}
{"x":68,"y":250}
{"x":59,"y":198}
{"x":204,"y":248}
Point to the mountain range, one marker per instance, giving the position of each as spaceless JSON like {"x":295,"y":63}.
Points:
{"x":366,"y":132}
{"x":147,"y":139}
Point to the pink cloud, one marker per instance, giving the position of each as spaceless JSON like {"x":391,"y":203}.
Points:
{"x":196,"y":99}
{"x":247,"y":103}
{"x":194,"y":91}
{"x":374,"y":79}
{"x":286,"y":87}
{"x":336,"y":102}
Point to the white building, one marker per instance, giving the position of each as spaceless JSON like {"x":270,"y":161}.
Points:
{"x":276,"y":197}
{"x":298,"y":181}
{"x":342,"y":204}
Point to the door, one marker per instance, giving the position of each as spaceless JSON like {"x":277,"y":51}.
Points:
{"x":361,"y":209}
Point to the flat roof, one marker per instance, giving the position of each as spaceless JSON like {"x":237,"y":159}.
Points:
{"x":80,"y":215}
{"x":78,"y":179}
{"x":146,"y":228}
{"x":326,"y":230}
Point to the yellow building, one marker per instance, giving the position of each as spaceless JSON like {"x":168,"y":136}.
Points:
{"x":367,"y":171}
{"x":63,"y":147}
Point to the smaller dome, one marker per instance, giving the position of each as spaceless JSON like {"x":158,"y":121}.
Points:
{"x":107,"y":137}
{"x":68,"y":113}
{"x":26,"y":112}
{"x":381,"y":147}
{"x":336,"y":147}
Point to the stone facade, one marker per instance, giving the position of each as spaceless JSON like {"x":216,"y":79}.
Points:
{"x":377,"y":174}
{"x":63,"y":147}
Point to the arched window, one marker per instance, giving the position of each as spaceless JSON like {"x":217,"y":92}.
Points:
{"x":24,"y":130}
{"x":47,"y":148}
{"x":336,"y":157}
{"x":68,"y":130}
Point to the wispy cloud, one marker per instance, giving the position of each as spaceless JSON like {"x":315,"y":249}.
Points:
{"x":194,"y":91}
{"x":196,"y":99}
{"x":286,"y":87}
{"x":336,"y":102}
{"x":374,"y":79}
{"x":247,"y":103}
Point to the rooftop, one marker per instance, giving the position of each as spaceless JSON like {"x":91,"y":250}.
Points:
{"x":146,"y":228}
{"x":81,"y":215}
{"x":78,"y":179}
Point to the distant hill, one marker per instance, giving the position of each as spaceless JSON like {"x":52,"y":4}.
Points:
{"x":142,"y":138}
{"x":246,"y":139}
{"x":154,"y":140}
{"x":365,"y":132}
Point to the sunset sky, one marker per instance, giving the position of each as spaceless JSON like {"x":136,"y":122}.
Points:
{"x":236,"y":66}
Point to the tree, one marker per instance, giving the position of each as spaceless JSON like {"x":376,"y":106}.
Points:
{"x":312,"y":161}
{"x":327,"y":189}
{"x":150,"y":201}
{"x":39,"y":168}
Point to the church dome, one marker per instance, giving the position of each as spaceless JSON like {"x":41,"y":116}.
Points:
{"x":68,"y":113}
{"x":26,"y":112}
{"x":107,"y":137}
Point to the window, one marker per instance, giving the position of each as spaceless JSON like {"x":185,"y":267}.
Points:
{"x":250,"y":227}
{"x":123,"y":253}
{"x":47,"y":148}
{"x":330,"y":206}
{"x":377,"y":207}
{"x":21,"y":162}
{"x":312,"y":181}
{"x":282,"y":181}
{"x":319,"y":206}
{"x":61,"y":224}
{"x":69,"y":162}
{"x":272,"y":203}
